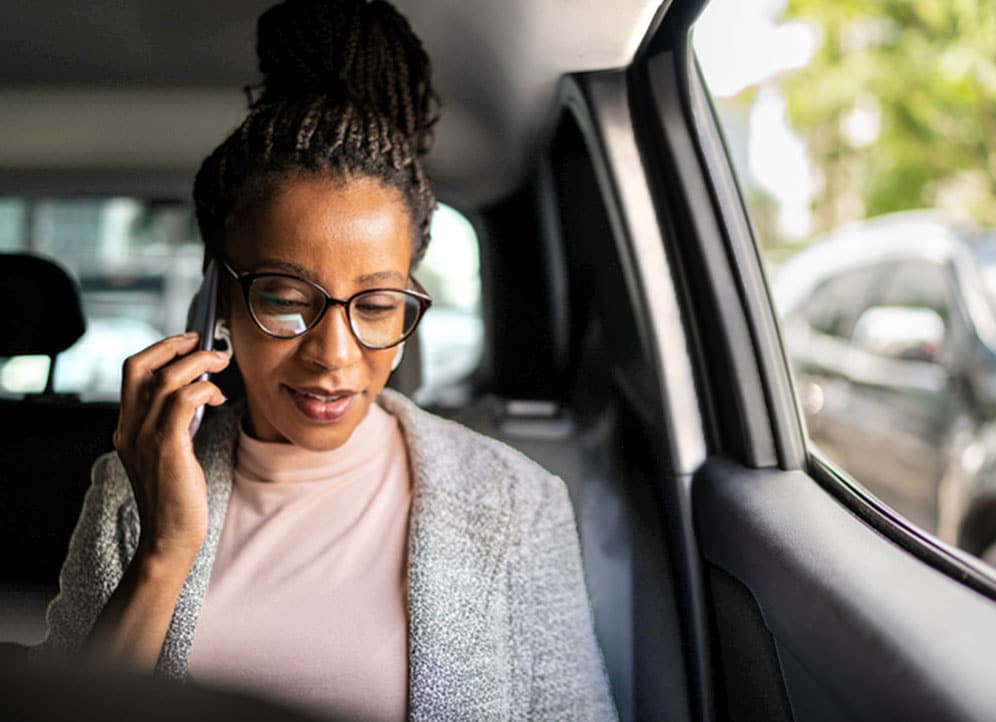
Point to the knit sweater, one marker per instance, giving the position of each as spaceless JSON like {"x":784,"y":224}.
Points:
{"x":499,"y":622}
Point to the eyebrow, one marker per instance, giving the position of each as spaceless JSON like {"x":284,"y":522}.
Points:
{"x":299,"y":270}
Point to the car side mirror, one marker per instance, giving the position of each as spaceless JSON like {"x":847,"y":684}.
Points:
{"x":900,"y":332}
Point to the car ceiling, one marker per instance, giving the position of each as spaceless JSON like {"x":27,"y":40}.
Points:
{"x":144,"y":86}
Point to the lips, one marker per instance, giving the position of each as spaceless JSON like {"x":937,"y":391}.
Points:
{"x":321,"y":405}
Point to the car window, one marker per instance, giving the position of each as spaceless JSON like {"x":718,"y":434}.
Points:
{"x":917,"y":284}
{"x":855,"y":132}
{"x":833,"y":306}
{"x":138,"y":264}
{"x":452,"y":332}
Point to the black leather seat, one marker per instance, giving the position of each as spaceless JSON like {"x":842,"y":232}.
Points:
{"x":50,"y":440}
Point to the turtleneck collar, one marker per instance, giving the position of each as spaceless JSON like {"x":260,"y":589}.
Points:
{"x":284,"y":463}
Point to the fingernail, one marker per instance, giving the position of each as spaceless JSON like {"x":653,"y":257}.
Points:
{"x":221,"y":354}
{"x":189,"y":334}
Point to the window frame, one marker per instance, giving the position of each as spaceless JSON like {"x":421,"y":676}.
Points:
{"x":792,"y":577}
{"x":770,"y":419}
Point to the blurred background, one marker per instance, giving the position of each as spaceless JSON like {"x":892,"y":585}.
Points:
{"x":863,"y":133}
{"x":853,"y":109}
{"x":138,"y":263}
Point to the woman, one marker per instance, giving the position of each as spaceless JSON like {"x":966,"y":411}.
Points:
{"x":325,"y":541}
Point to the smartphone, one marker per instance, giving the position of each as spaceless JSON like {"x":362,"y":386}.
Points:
{"x":201,"y":318}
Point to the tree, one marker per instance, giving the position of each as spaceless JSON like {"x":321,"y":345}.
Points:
{"x":924,"y":73}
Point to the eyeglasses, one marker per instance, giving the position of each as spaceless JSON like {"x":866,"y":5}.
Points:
{"x":285,"y":306}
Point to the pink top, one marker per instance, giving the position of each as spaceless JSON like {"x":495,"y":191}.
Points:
{"x":307,"y":599}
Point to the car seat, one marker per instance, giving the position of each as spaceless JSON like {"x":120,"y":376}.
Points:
{"x":50,"y":440}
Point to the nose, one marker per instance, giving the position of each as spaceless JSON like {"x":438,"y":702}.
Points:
{"x":331,"y":343}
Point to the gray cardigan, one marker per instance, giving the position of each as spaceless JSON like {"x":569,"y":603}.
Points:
{"x":499,"y":622}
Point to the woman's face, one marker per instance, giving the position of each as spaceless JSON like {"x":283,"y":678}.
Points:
{"x":346,"y":236}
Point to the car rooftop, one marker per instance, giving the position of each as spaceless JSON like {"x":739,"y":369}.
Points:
{"x":913,"y":234}
{"x":152,"y":87}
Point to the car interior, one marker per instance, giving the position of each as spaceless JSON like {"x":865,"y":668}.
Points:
{"x":630,"y":346}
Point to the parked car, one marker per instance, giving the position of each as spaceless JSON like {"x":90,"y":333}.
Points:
{"x":629,"y":344}
{"x":891,"y":327}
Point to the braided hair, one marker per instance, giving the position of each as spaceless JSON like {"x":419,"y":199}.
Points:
{"x":346,"y":92}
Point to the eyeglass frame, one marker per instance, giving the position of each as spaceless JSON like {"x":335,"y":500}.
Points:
{"x":247,"y":278}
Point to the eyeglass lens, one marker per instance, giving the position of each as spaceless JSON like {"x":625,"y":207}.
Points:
{"x":288,"y":307}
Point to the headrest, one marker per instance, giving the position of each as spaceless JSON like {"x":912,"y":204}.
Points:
{"x":41,"y":307}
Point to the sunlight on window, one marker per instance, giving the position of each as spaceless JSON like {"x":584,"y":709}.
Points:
{"x":452,"y":332}
{"x":24,"y":374}
{"x":740,"y":45}
{"x":453,"y":261}
{"x":742,"y":48}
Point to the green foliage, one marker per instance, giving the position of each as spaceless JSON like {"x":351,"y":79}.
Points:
{"x":928,"y":67}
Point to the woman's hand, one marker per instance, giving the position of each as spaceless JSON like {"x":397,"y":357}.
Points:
{"x":159,"y":395}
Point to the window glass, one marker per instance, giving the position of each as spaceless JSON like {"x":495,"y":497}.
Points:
{"x":832,"y":308}
{"x":138,"y":264}
{"x":917,"y":284}
{"x":863,"y":132}
{"x":12,"y":225}
{"x":452,"y":332}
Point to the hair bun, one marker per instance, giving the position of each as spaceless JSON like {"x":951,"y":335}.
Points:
{"x":352,"y":51}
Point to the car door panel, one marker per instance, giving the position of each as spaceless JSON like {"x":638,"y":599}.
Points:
{"x":827,"y":588}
